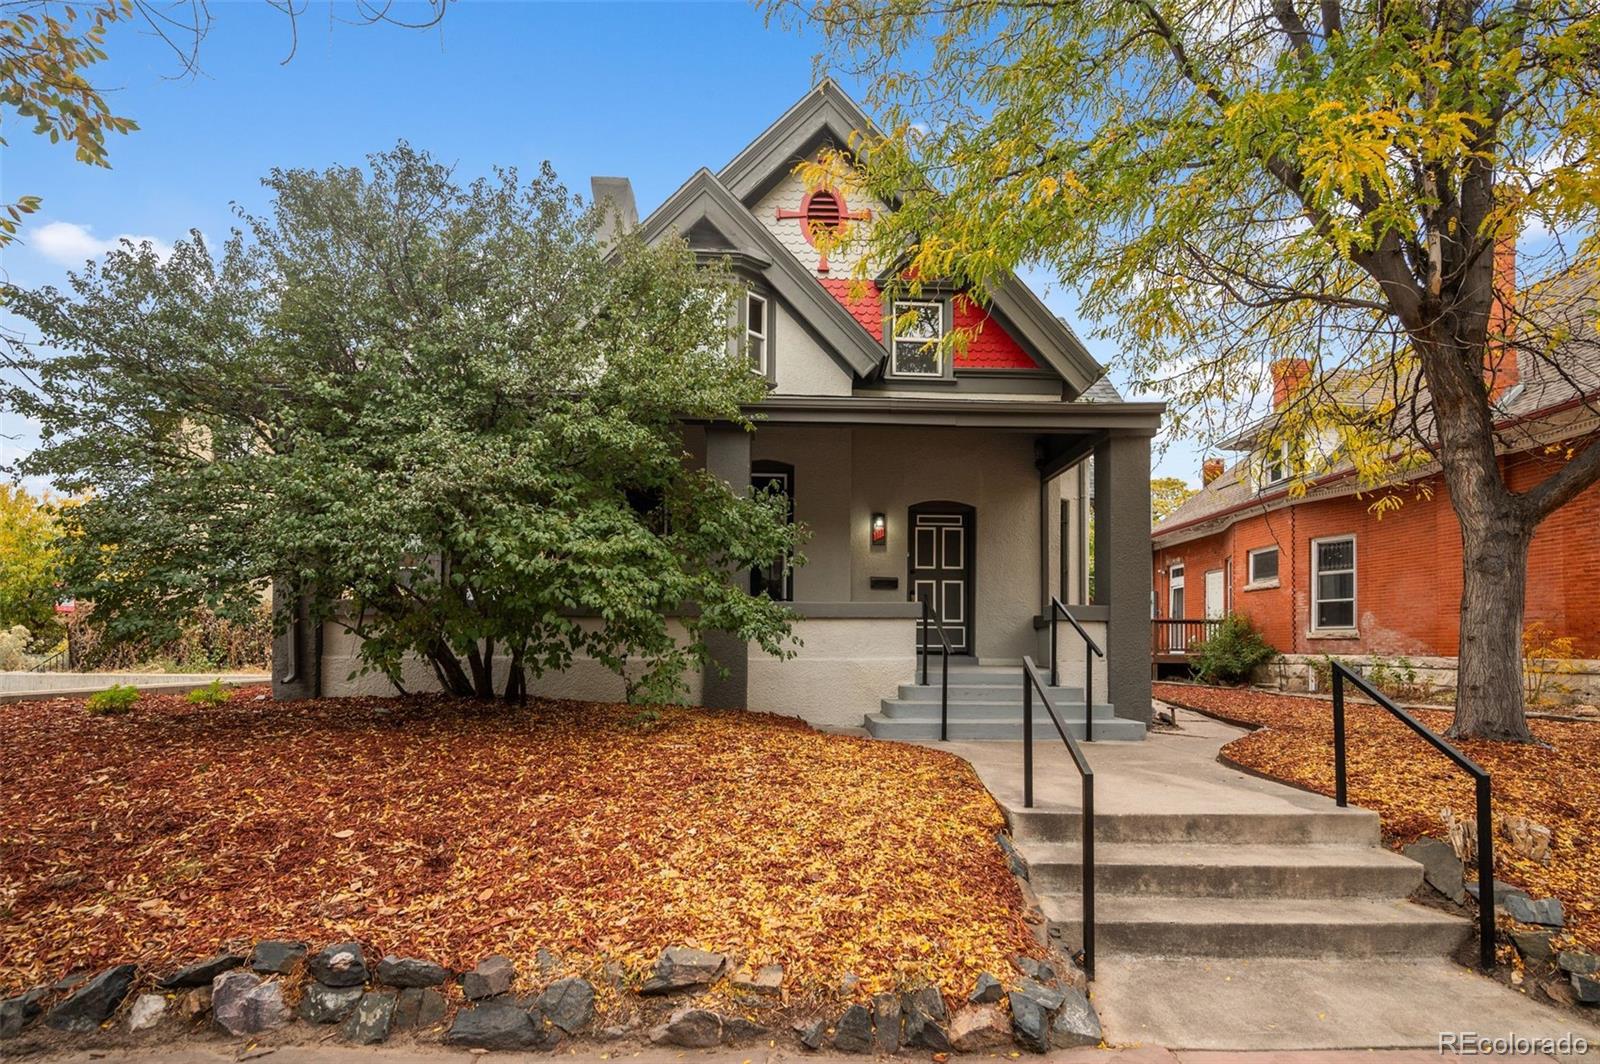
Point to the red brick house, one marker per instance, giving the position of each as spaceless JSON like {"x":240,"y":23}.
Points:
{"x":1327,"y":574}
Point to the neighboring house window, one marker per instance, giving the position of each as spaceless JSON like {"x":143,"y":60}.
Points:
{"x":918,"y":329}
{"x":1333,"y":583}
{"x":1275,"y":466}
{"x":1264,"y":566}
{"x":755,"y":332}
{"x":776,"y":580}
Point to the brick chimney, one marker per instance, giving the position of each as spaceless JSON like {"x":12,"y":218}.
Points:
{"x":1500,"y":370}
{"x":1289,"y":375}
{"x":1210,"y":470}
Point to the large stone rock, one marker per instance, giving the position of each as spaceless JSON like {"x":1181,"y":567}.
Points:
{"x":768,"y":979}
{"x":1043,"y":971}
{"x":18,"y":1012}
{"x":737,"y":1029}
{"x":568,"y":1003}
{"x":924,"y":1014}
{"x":1441,"y":868}
{"x":1031,"y":1005}
{"x":276,"y":956}
{"x":93,"y":1002}
{"x":977,"y":1028}
{"x":493,"y":976}
{"x":853,"y":1031}
{"x":1075,"y":1023}
{"x":196,"y":1003}
{"x":691,"y":1028}
{"x":683,"y":968}
{"x":410,"y":972}
{"x":328,"y":1004}
{"x":1586,"y":988}
{"x":1578,"y":962}
{"x":1544,"y":911}
{"x":1533,"y":945}
{"x":493,"y":1025}
{"x":886,"y":1024}
{"x":987,"y":991}
{"x":146,"y":1012}
{"x":418,"y":1008}
{"x":369,"y":1022}
{"x":812,"y":1033}
{"x":201,"y":973}
{"x":243,"y":1003}
{"x":341,"y":964}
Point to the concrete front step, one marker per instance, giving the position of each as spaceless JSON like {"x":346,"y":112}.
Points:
{"x":1226,"y":870}
{"x":983,"y":692}
{"x":1257,"y":927}
{"x":925,"y":727}
{"x":1351,"y":826}
{"x":986,"y":675}
{"x":970,"y":710}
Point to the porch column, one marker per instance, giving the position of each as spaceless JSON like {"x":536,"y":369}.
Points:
{"x":1122,"y":568}
{"x":728,"y":458}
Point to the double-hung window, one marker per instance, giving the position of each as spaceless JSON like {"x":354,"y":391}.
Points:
{"x":1275,"y":465}
{"x":1333,"y":583}
{"x":756,"y":324}
{"x":918,"y":328}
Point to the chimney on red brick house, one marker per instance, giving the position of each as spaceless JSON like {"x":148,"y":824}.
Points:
{"x":1289,"y":375}
{"x":1500,"y":370}
{"x":1210,"y":470}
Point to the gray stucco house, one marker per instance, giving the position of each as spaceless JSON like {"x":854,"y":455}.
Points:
{"x":971,"y":477}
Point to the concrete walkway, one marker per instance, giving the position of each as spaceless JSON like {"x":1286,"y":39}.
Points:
{"x":36,"y":686}
{"x":1272,"y":1004}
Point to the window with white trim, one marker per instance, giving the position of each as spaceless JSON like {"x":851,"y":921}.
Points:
{"x":1264,"y":565}
{"x":756,"y":324}
{"x":1275,"y":465}
{"x":1333,"y":583}
{"x":916,"y":350}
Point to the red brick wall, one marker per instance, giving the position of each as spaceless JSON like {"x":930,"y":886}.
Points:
{"x":1408,"y":570}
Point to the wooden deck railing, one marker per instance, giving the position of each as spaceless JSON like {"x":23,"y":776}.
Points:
{"x":1171,"y":637}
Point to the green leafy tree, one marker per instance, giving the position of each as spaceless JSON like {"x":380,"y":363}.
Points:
{"x":1229,"y":185}
{"x":29,"y":565}
{"x":443,"y":412}
{"x":1167,"y":494}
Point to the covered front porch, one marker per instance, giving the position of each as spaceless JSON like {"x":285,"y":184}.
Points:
{"x":988,"y":511}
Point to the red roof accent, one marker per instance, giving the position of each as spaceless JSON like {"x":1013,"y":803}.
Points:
{"x":990,"y":346}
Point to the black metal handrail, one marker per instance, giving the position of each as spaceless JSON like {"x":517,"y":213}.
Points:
{"x":1058,"y":609}
{"x":1030,"y":680}
{"x":1480,"y":779}
{"x":65,"y":653}
{"x":931,"y":621}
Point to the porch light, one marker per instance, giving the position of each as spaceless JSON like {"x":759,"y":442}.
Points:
{"x":880,"y":530}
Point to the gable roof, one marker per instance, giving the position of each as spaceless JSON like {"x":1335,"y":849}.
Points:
{"x":827,"y":115}
{"x":704,"y":200}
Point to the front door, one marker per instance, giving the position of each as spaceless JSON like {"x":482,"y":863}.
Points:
{"x":941,"y":553}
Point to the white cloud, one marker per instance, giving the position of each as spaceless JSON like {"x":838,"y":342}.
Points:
{"x":71,"y":244}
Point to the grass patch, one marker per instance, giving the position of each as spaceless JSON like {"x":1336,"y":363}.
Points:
{"x":1408,"y":784}
{"x":447,"y":830}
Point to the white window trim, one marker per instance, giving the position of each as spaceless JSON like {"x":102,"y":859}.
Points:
{"x":1176,"y":582}
{"x":895,"y":338}
{"x":762,"y":366}
{"x":1316,"y":573}
{"x":1253,"y":584}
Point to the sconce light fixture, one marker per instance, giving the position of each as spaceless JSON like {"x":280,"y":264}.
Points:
{"x":880,"y":530}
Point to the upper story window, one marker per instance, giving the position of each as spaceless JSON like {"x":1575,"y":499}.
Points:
{"x":918,"y":328}
{"x":756,"y":325}
{"x":1275,"y":465}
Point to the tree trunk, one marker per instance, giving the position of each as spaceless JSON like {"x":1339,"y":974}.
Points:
{"x":1489,"y":691}
{"x":516,"y":680}
{"x":452,"y":678}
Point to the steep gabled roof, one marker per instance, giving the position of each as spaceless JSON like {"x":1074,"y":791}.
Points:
{"x":823,"y":114}
{"x":704,"y":200}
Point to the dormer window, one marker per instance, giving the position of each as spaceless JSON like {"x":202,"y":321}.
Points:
{"x":756,"y":324}
{"x":1275,"y":465}
{"x":917,"y":330}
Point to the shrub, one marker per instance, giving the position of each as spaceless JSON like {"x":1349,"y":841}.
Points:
{"x":212,"y":694}
{"x":1546,"y":658}
{"x":118,"y":698}
{"x":14,"y":647}
{"x":1232,"y":654}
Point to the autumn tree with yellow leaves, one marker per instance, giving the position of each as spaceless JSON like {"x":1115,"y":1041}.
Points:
{"x":1232,"y":183}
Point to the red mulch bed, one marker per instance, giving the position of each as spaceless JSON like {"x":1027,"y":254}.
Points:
{"x":442,"y":829}
{"x":1395,"y":773}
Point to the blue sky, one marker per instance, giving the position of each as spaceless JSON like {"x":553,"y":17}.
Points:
{"x":647,"y":91}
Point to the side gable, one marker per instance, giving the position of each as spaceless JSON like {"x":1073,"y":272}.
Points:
{"x":703,"y":202}
{"x":823,"y":115}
